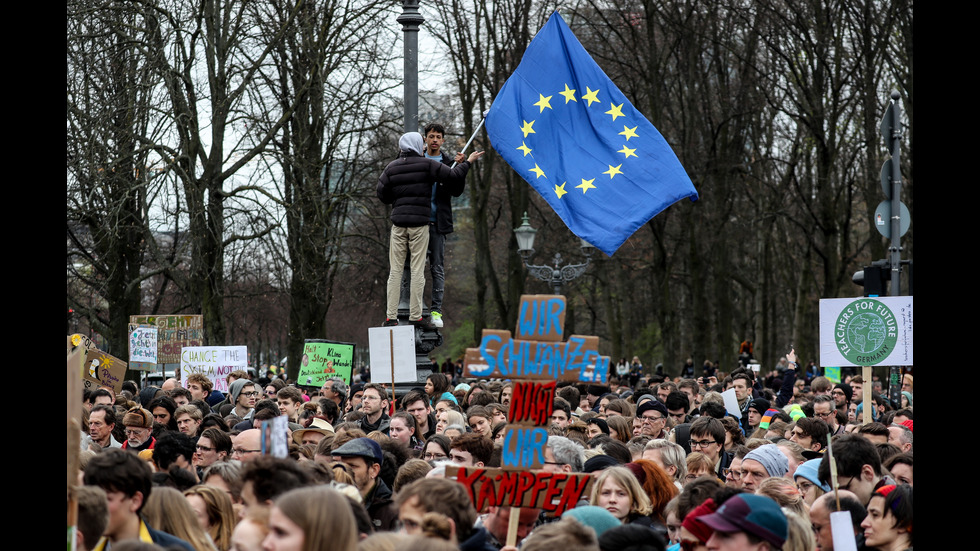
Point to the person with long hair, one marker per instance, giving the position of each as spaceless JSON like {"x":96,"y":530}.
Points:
{"x":618,"y":491}
{"x":620,"y":428}
{"x":168,"y":511}
{"x":435,"y":385}
{"x":311,"y":519}
{"x":214,"y":513}
{"x":658,"y":485}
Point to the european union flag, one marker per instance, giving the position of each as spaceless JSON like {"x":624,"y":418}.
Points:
{"x":566,"y":129}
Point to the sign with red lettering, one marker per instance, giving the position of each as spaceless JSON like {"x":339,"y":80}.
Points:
{"x":552,"y":492}
{"x":173,"y":333}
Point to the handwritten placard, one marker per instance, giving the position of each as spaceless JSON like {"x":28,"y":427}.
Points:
{"x":324,"y":360}
{"x":552,"y":492}
{"x":103,"y":369}
{"x":173,"y":334}
{"x":541,"y":318}
{"x":214,"y":362}
{"x":142,"y":347}
{"x":577,"y":359}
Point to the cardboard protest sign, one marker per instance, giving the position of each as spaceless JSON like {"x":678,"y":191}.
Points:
{"x":142,"y":347}
{"x":103,"y":369}
{"x":324,"y":360}
{"x":501,"y":356}
{"x":541,"y":318}
{"x":173,"y":334}
{"x":214,"y":362}
{"x":392,"y":353}
{"x":552,"y":492}
{"x":866,"y":331}
{"x":531,"y":403}
{"x":536,"y":359}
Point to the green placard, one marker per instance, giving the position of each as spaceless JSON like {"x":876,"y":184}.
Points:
{"x":324,"y":360}
{"x":832,"y":373}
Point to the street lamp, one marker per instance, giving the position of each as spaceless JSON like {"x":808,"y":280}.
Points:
{"x":558,"y":275}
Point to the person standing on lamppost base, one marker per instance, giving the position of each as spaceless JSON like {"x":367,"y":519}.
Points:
{"x":441,"y":220}
{"x":407,"y":184}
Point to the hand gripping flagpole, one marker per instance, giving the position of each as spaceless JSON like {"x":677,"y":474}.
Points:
{"x":478,"y":127}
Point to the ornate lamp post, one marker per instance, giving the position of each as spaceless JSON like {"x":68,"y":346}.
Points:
{"x":558,"y":275}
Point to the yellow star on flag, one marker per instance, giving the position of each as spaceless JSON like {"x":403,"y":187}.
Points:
{"x":615,"y":111}
{"x":569,"y":94}
{"x":591,"y":96}
{"x":628,"y":132}
{"x":527,"y":149}
{"x":544,"y":102}
{"x":537,"y":170}
{"x":613,"y":170}
{"x":625,"y":151}
{"x":586,"y":185}
{"x":560,"y":190}
{"x":528,"y":128}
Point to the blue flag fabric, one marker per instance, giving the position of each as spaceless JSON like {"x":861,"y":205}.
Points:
{"x":565,"y":127}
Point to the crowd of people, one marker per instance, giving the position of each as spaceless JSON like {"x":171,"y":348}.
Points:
{"x":184,"y":467}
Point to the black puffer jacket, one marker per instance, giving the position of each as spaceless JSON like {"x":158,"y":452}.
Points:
{"x":406,"y":183}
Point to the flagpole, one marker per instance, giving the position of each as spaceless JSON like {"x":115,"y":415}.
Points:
{"x":478,"y":127}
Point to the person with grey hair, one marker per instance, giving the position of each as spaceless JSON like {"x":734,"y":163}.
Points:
{"x":761,"y":463}
{"x":900,"y":435}
{"x":670,"y":456}
{"x":335,"y":389}
{"x":563,"y":455}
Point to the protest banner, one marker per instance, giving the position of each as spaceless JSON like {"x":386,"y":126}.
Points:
{"x":541,"y":318}
{"x":552,"y":492}
{"x":322,"y":360}
{"x":173,"y":334}
{"x":103,"y":369}
{"x":866,"y":331}
{"x":501,"y":356}
{"x":142,"y":347}
{"x":75,"y":367}
{"x":535,"y":361}
{"x":214,"y":362}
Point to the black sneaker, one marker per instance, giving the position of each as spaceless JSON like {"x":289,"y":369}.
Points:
{"x":390,"y":322}
{"x":422,"y":322}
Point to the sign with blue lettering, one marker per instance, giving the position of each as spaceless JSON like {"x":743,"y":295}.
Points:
{"x":499,"y":355}
{"x":541,"y":318}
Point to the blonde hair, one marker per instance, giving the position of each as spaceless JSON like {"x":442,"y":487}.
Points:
{"x":167,"y":510}
{"x":625,"y":479}
{"x":784,"y":492}
{"x":800,"y":536}
{"x":324,"y":515}
{"x":221,"y":514}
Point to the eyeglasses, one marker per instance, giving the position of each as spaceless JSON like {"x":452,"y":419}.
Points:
{"x":135,"y":432}
{"x":201,"y":448}
{"x":735,"y":475}
{"x":252,"y":394}
{"x":650,"y":420}
{"x":241,"y":451}
{"x":430,"y":455}
{"x":702,"y":443}
{"x":828,"y":414}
